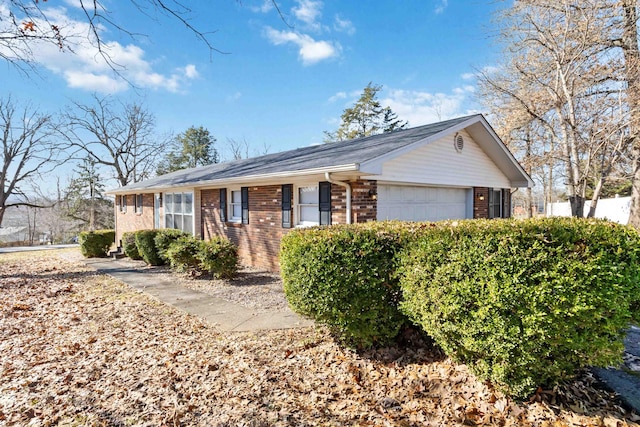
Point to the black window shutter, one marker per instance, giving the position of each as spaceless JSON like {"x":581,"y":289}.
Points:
{"x":223,"y":204}
{"x":287,"y":192}
{"x":491,"y":207}
{"x":244,"y":193}
{"x":325,"y":203}
{"x":506,"y":203}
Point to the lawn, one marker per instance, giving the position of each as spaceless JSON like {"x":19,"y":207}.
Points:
{"x":79,"y":348}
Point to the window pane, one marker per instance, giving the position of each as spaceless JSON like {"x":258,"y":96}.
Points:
{"x":308,"y":195}
{"x":177,"y":203}
{"x":177,"y":222}
{"x":168,"y":203}
{"x":188,"y":203}
{"x":309,"y":214}
{"x":188,"y":224}
{"x":168,"y":221}
{"x":237,"y":211}
{"x":236,"y":197}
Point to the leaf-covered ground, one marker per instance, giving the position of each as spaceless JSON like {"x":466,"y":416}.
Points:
{"x":78,"y":348}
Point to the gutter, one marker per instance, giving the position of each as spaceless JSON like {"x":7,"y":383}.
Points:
{"x":249,"y":179}
{"x":327,"y":176}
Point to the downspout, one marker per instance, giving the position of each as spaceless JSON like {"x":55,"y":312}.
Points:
{"x":346,"y":185}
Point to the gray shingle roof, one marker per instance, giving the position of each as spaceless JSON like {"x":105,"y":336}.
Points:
{"x":339,"y":153}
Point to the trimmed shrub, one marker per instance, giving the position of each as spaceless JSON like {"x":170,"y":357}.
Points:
{"x":129,"y":245}
{"x":524,"y":303}
{"x":182,"y":253}
{"x":344,"y":276}
{"x":164,"y":238}
{"x":218,"y":257}
{"x":145,"y":242}
{"x":96,"y":243}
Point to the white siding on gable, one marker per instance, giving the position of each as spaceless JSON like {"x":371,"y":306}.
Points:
{"x":438,"y":163}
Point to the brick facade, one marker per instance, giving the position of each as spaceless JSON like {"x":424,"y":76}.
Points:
{"x":364,"y":204}
{"x":130,"y":220}
{"x":259,"y":241}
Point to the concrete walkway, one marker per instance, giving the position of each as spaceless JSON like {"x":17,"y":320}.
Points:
{"x":226,"y":315}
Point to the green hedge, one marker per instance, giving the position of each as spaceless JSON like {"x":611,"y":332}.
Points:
{"x":145,"y":242}
{"x":181,"y":253}
{"x":129,"y":245}
{"x":218,"y":257}
{"x":343,"y":276}
{"x":96,"y":243}
{"x":524,"y":303}
{"x":164,"y":238}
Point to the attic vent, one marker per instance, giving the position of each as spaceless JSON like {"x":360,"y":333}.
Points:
{"x":458,"y":142}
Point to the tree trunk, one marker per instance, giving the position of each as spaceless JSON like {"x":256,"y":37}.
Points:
{"x":528,"y":202}
{"x":595,"y":198}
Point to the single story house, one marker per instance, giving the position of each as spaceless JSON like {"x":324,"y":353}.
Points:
{"x":453,"y":169}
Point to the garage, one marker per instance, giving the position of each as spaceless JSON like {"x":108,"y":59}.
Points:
{"x":418,"y":203}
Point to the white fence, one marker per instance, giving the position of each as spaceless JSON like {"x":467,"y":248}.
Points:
{"x":616,"y":209}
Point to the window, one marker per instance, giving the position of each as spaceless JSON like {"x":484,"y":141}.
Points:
{"x":308,"y":210}
{"x":123,"y":203}
{"x":235,"y":207}
{"x":178,"y":211}
{"x":314,"y":204}
{"x":495,"y":203}
{"x":138,"y":203}
{"x":239,"y":205}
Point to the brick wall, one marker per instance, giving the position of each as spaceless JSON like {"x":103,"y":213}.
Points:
{"x":480,"y":207}
{"x":130,"y":220}
{"x":259,"y":241}
{"x":364,"y":204}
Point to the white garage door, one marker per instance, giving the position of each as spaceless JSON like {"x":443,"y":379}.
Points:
{"x":411,"y":203}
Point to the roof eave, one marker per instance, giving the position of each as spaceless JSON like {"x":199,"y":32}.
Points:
{"x":248,"y":179}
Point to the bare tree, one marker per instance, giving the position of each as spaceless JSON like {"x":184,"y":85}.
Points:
{"x":239,"y":149}
{"x":557,"y":75}
{"x":119,"y":136}
{"x":27,"y":151}
{"x":24,"y":24}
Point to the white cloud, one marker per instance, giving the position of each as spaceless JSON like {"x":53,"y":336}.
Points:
{"x":308,"y":11}
{"x":234,"y":97}
{"x":94,"y":82}
{"x":338,"y":96}
{"x":442,"y":5}
{"x":265,"y":7}
{"x":419,"y":107}
{"x":310,"y":51}
{"x":343,"y":25}
{"x":86,"y":68}
{"x":190,"y":72}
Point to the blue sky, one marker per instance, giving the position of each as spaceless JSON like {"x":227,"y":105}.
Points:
{"x":282,"y":83}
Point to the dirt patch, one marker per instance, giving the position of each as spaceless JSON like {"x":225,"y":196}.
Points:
{"x":79,"y":348}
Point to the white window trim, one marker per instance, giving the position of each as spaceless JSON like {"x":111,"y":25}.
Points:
{"x":231,"y":204}
{"x":123,"y":203}
{"x":298,"y":206}
{"x":192,"y":214}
